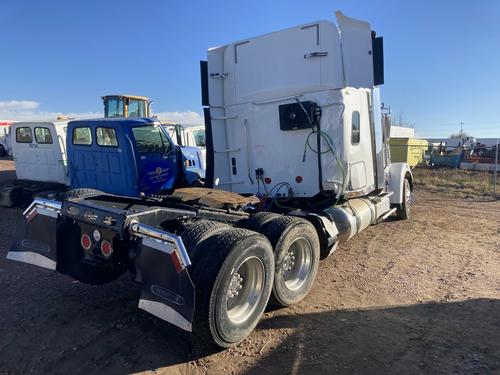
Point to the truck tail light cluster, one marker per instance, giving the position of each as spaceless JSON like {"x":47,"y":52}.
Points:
{"x":106,"y":249}
{"x":86,"y":242}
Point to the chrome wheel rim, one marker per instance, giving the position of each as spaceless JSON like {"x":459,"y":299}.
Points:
{"x":296,"y":265}
{"x":245,"y":289}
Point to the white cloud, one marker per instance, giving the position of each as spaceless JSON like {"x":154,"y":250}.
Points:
{"x":27,"y":110}
{"x":44,"y":115}
{"x":18,"y":105}
{"x":184,"y":118}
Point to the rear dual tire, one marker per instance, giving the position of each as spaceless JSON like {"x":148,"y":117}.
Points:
{"x":236,"y":272}
{"x":259,"y":221}
{"x":233,"y":276}
{"x":199,"y":231}
{"x":297,"y":253}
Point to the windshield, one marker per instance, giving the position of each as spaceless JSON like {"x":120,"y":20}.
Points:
{"x":136,"y":108}
{"x":199,"y":138}
{"x":171,"y":132}
{"x":151,"y":139}
{"x":113,"y":107}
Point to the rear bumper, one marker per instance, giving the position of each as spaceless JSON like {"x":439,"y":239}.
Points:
{"x":161,"y":261}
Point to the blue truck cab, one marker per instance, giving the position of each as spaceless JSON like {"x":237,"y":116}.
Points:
{"x":126,"y":156}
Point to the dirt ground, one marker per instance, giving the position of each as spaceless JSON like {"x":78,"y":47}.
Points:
{"x":419,"y":296}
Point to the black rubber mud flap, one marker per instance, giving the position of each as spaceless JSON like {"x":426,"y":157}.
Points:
{"x":167,"y":289}
{"x":35,"y":238}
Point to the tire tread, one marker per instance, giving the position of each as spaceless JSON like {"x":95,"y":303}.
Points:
{"x":213,"y":252}
{"x":275,"y":231}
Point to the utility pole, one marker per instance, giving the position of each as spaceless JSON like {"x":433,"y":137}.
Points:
{"x":461,"y":129}
{"x":495,"y":174}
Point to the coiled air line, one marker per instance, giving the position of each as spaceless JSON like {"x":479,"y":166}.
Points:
{"x":316,"y":129}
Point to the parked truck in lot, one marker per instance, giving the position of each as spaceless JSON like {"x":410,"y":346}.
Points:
{"x":191,"y":137}
{"x":297,"y":163}
{"x":5,"y":141}
{"x":126,"y":156}
{"x":39,"y":150}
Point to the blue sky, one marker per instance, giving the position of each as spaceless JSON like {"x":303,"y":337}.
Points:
{"x":442,"y":57}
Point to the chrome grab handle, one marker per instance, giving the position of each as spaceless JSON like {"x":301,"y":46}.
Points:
{"x":44,"y":203}
{"x":139,"y":229}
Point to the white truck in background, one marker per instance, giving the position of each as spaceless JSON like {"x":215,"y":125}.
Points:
{"x":297,"y":163}
{"x":191,"y":136}
{"x":39,"y":150}
{"x":5,"y":139}
{"x":39,"y":153}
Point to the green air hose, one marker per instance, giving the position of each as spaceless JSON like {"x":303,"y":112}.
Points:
{"x":329,"y":143}
{"x":328,"y":140}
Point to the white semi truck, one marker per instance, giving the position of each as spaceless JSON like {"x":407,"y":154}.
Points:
{"x":297,"y":163}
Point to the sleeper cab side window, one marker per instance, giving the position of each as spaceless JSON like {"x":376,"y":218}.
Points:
{"x":24,"y":135}
{"x":106,"y":137}
{"x":355,"y":128}
{"x":82,"y":136}
{"x":43,"y":136}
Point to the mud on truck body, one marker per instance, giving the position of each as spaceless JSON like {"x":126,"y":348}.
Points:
{"x":297,"y":162}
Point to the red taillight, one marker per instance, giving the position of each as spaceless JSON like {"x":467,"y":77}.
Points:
{"x":268,"y":180}
{"x":86,"y":242}
{"x":298,"y":179}
{"x":175,"y":260}
{"x":106,"y":249}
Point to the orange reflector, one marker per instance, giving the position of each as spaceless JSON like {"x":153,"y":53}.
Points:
{"x":176,"y":261}
{"x":298,"y":179}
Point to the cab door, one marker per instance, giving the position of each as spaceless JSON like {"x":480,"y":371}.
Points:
{"x":358,"y":142}
{"x":156,"y":158}
{"x":23,"y":146}
{"x":49,"y":165}
{"x":99,"y":158}
{"x":37,"y":154}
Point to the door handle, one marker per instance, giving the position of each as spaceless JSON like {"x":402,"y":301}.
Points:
{"x":315,"y":54}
